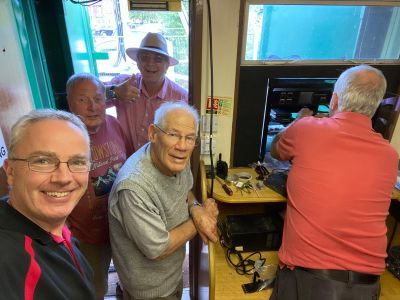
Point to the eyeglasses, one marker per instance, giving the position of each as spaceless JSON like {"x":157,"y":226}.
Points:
{"x":191,"y":140}
{"x":145,"y":58}
{"x":47,"y":164}
{"x":87,"y":100}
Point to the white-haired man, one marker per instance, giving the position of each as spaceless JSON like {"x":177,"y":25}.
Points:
{"x":339,"y":188}
{"x":153,"y":212}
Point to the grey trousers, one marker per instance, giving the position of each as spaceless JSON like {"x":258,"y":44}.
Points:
{"x":176,"y":295}
{"x":302,"y":285}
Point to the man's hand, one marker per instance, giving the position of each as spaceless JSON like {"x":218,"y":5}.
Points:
{"x":211,"y":207}
{"x":304,"y":112}
{"x":127,"y":91}
{"x":205,"y":219}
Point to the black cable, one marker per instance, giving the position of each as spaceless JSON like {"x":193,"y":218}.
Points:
{"x":212,"y":97}
{"x":244,"y":266}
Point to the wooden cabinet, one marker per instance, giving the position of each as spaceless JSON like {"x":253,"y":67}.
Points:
{"x":222,"y":280}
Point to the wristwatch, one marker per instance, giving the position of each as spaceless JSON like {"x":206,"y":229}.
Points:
{"x":194,"y":203}
{"x":111,"y":93}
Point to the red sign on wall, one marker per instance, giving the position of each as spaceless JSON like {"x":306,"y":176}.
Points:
{"x":219,"y":106}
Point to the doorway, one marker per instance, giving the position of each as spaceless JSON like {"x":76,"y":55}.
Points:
{"x":98,"y":46}
{"x":109,"y":28}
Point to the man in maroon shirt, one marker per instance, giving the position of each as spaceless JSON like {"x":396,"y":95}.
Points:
{"x":109,"y":148}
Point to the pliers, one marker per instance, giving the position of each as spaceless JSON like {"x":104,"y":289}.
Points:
{"x":261,"y":171}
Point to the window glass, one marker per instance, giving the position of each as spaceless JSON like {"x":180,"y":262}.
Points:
{"x":114,"y":29}
{"x":299,"y":33}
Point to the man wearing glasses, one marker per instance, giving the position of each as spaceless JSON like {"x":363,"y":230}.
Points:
{"x":88,"y":221}
{"x":152,"y":211}
{"x":136,"y":97}
{"x":47,"y":173}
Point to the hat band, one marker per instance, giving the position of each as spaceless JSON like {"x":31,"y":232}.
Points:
{"x":154,"y":47}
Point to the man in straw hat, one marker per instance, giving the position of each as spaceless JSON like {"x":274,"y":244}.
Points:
{"x":137,"y":96}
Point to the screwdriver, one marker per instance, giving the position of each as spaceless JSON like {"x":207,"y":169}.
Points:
{"x":226,"y":188}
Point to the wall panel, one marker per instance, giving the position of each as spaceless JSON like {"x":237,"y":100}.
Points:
{"x":15,"y":93}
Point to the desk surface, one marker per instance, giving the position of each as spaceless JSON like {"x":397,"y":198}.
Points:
{"x":265,"y":195}
{"x":396,"y":194}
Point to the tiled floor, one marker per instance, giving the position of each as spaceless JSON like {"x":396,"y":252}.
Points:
{"x":112,"y":285}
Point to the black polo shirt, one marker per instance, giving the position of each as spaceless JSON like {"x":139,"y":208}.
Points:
{"x":36,"y":266}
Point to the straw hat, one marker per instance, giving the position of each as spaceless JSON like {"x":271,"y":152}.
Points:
{"x":153,"y":42}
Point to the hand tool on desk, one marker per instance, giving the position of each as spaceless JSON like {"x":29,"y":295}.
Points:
{"x":251,"y":187}
{"x":226,"y":188}
{"x":261,"y":171}
{"x":245,"y":186}
{"x":255,"y":189}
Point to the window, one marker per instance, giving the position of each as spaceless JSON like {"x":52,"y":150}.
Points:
{"x":100,"y":33}
{"x":114,"y":29}
{"x":293,"y":33}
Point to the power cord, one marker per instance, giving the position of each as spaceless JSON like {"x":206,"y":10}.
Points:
{"x":246,"y":265}
{"x":242,"y":265}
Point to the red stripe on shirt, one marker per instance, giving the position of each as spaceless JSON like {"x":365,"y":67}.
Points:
{"x":34,"y":271}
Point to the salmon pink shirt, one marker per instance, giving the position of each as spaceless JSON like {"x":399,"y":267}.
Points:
{"x":339,"y":190}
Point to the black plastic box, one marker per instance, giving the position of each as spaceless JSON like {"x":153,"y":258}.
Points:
{"x":255,"y":232}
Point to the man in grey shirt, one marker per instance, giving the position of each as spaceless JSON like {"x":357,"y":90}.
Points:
{"x":152,"y":211}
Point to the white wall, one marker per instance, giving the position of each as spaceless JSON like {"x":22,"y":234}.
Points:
{"x":15,"y":93}
{"x":225,"y":26}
